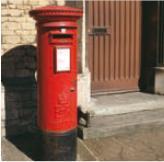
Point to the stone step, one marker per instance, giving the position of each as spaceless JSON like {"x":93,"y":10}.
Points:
{"x":125,"y":103}
{"x":109,"y":125}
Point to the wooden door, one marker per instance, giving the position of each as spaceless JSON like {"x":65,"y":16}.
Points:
{"x":114,"y":45}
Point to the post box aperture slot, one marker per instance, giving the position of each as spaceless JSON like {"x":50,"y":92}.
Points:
{"x":61,"y":38}
{"x":62,"y":59}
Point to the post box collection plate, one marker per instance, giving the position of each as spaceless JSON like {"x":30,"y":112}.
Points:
{"x":62,"y":59}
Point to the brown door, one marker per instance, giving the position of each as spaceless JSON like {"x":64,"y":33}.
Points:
{"x":114,"y":45}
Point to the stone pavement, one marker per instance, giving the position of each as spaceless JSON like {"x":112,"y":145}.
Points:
{"x":141,"y":144}
{"x":138,"y":145}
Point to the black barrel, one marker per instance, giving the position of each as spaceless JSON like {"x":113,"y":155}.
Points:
{"x":59,"y":146}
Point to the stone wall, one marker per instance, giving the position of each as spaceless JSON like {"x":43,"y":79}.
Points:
{"x":18,"y":90}
{"x":17,"y":27}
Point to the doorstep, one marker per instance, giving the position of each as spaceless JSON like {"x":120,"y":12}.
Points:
{"x":119,"y":113}
{"x":159,"y":80}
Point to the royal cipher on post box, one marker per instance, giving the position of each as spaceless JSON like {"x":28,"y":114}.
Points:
{"x":57,"y":78}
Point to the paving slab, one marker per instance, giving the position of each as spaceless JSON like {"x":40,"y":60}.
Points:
{"x":27,"y":147}
{"x":141,"y":144}
{"x":11,"y":153}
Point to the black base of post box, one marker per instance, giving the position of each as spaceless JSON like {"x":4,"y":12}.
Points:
{"x":59,"y":146}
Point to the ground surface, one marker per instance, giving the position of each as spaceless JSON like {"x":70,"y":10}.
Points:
{"x":137,"y":145}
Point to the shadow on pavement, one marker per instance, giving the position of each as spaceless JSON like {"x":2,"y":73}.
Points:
{"x":30,"y":144}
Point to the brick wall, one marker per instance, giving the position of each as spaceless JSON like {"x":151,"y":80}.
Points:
{"x":18,"y":96}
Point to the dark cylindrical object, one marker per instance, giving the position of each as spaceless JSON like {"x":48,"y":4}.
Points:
{"x":60,"y":146}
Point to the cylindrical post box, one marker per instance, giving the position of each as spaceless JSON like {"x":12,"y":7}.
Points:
{"x":57,"y":79}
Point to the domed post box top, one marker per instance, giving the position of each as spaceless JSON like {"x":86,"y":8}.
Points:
{"x":53,"y":13}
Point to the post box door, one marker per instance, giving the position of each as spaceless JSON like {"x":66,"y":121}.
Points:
{"x":63,"y":92}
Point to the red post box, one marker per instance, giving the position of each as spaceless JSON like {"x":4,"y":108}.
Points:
{"x":57,"y":79}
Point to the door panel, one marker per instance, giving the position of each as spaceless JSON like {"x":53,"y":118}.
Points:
{"x":114,"y":53}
